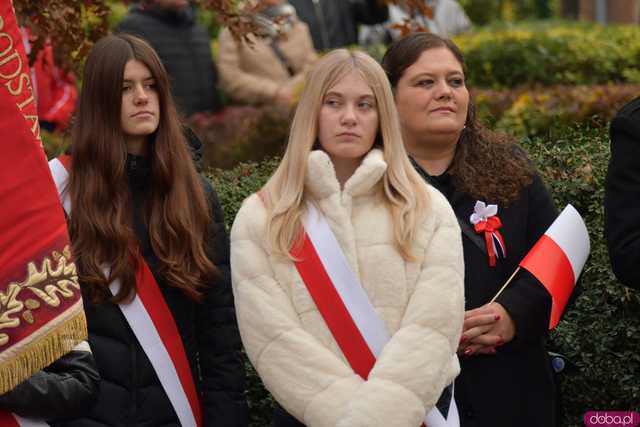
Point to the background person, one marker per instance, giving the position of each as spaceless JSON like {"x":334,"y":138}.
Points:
{"x":622,"y":190}
{"x":269,"y":68}
{"x":334,"y":23}
{"x":184,"y":47}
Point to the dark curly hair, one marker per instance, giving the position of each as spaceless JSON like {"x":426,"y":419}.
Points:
{"x":486,"y":165}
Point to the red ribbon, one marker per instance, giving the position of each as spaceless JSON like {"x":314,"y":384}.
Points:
{"x":490,"y":228}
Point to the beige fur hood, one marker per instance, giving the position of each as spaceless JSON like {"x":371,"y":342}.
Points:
{"x":421,"y":303}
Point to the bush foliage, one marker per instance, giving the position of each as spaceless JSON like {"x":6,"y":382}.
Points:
{"x":551,"y":54}
{"x":483,"y":12}
{"x":534,"y":111}
{"x":600,"y":334}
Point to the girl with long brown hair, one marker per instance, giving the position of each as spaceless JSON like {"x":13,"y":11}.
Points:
{"x":149,"y":241}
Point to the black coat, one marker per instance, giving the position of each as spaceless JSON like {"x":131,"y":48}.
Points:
{"x":334,"y":23}
{"x":622,"y":196}
{"x":130,"y":392}
{"x":515,"y":386}
{"x":65,"y":388}
{"x":184,"y":47}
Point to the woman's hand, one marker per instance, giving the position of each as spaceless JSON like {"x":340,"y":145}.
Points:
{"x":484,"y":329}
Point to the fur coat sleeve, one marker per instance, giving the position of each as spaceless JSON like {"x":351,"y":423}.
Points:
{"x":427,"y":339}
{"x":293,"y":365}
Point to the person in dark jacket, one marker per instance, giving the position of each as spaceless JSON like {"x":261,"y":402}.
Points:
{"x":334,"y":23}
{"x":622,"y":191}
{"x":64,"y":389}
{"x":506,"y":378}
{"x":143,"y":204}
{"x":184,"y":47}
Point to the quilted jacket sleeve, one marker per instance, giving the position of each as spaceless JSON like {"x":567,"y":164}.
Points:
{"x":420,"y":359}
{"x":306,"y":378}
{"x":65,"y":389}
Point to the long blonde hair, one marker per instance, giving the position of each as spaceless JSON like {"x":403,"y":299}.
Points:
{"x":403,"y":191}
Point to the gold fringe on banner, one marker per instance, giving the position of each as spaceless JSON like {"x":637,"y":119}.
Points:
{"x":44,"y":347}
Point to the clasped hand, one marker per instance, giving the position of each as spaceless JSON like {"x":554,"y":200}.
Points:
{"x":484,"y":329}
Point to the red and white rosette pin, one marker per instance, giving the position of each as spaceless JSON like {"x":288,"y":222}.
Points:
{"x":485,"y":221}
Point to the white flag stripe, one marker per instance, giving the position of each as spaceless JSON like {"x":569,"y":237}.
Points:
{"x":373,"y":329}
{"x":28,"y":422}
{"x":61,"y":178}
{"x":570,"y":233}
{"x":356,"y":300}
{"x":142,"y":325}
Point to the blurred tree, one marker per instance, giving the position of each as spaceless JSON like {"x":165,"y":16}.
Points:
{"x":74,"y":25}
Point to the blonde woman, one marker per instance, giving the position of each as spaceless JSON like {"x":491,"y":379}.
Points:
{"x":391,"y":240}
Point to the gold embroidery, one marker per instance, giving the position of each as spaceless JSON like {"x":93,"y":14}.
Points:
{"x":28,"y":316}
{"x":57,"y":278}
{"x":10,"y":305}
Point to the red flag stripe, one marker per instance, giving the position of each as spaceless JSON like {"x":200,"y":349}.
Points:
{"x":333,"y":310}
{"x":550,"y":265}
{"x":8,"y":420}
{"x":163,"y":320}
{"x":65,"y":159}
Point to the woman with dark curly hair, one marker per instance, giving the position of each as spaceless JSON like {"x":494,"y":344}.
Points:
{"x":503,"y":208}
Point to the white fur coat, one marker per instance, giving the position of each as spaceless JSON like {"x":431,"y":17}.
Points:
{"x":421,"y":303}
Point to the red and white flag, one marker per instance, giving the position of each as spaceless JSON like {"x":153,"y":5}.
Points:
{"x":557,"y":259}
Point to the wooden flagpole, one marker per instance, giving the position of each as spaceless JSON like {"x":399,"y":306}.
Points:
{"x":505,"y":285}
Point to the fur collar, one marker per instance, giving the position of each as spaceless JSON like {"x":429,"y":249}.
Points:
{"x":321,"y":181}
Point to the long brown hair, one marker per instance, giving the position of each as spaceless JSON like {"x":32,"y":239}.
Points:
{"x":176,"y":210}
{"x":486,"y":165}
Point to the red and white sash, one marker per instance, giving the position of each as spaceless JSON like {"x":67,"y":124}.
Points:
{"x":8,"y":419}
{"x":360,"y":333}
{"x":152,"y":323}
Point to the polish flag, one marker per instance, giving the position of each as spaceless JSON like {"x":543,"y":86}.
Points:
{"x":557,"y":259}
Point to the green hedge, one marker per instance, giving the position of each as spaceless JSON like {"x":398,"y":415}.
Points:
{"x":601,"y":332}
{"x":507,"y":56}
{"x":534,"y":111}
{"x":482,"y":12}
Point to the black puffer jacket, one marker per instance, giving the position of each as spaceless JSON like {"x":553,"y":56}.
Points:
{"x":66,"y":388}
{"x":131,"y":394}
{"x":184,"y":47}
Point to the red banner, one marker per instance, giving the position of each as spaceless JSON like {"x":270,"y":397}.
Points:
{"x":41,"y":316}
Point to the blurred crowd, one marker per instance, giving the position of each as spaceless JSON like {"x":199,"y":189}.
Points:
{"x":264,"y":69}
